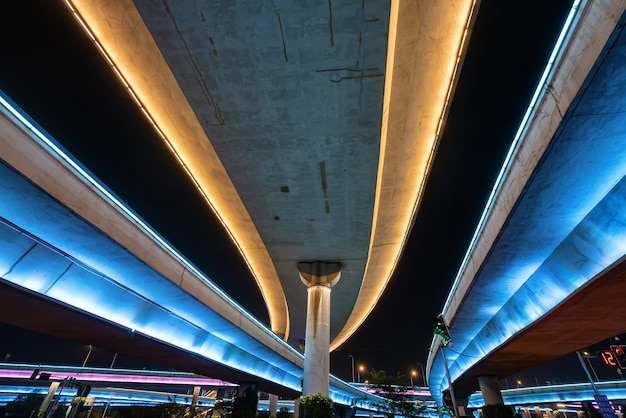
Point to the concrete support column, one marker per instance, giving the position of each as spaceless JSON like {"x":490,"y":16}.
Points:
{"x":491,"y":390}
{"x":194,"y":398}
{"x":46,"y":401}
{"x":319,"y":277}
{"x":526,"y":413}
{"x":273,"y":405}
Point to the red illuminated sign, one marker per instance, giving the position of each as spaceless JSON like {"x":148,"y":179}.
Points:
{"x":608,"y":357}
{"x":616,"y":356}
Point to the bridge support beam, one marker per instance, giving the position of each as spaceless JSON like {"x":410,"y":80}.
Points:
{"x":490,"y":388}
{"x":319,"y":277}
{"x":273,"y":405}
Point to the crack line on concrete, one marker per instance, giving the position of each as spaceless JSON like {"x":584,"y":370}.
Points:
{"x":330,"y":23}
{"x":19,"y":260}
{"x":205,"y":90}
{"x":358,"y":77}
{"x":324,"y":186}
{"x":282,"y":35}
{"x":45,"y":292}
{"x":361,"y":75}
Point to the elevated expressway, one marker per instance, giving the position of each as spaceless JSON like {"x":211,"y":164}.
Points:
{"x":307,"y":130}
{"x":65,"y":277}
{"x":545,"y":274}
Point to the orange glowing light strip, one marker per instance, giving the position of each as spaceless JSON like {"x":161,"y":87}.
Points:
{"x":273,"y":313}
{"x":359,"y":315}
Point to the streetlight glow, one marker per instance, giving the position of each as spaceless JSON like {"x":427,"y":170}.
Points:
{"x":423,"y":374}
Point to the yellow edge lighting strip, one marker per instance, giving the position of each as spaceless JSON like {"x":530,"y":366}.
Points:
{"x":119,"y":33}
{"x":419,"y":84}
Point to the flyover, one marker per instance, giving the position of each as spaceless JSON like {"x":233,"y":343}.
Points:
{"x":210,"y":83}
{"x":279,"y":190}
{"x":63,"y":276}
{"x":235,"y":91}
{"x":555,"y":394}
{"x":544,"y":275}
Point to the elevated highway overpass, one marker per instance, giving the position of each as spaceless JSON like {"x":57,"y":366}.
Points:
{"x":64,"y":277}
{"x":229,"y":134}
{"x":226,"y":137}
{"x":287,"y":131}
{"x":238,"y":132}
{"x":544,"y":275}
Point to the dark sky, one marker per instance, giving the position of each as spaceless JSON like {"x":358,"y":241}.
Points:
{"x":50,"y":69}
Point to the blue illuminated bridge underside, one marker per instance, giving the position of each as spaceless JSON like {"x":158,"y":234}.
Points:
{"x":140,"y":325}
{"x":63,"y":276}
{"x":80,"y":296}
{"x":548,"y":278}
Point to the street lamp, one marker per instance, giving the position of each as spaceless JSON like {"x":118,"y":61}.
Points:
{"x":359,"y":373}
{"x":444,"y":333}
{"x":352,"y":358}
{"x":88,"y":354}
{"x":413,"y":373}
{"x":582,"y":363}
{"x":423,"y":374}
{"x":587,"y":357}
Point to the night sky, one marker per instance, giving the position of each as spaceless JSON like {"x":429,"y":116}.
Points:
{"x":50,"y":69}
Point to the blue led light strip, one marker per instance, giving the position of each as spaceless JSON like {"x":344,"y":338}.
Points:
{"x":51,"y":145}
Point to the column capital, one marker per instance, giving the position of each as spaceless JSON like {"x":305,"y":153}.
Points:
{"x":319,"y":273}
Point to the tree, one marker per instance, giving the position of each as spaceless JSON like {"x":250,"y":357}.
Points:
{"x":496,"y":411}
{"x":246,"y":406}
{"x":24,"y":405}
{"x":316,"y":406}
{"x":399,"y":400}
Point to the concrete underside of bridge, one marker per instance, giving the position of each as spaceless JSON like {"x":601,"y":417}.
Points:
{"x":593,"y":314}
{"x":277,"y":215}
{"x":286,"y":120}
{"x":279,"y":113}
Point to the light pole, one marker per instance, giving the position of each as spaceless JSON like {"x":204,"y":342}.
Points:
{"x":587,"y":357}
{"x":87,"y":356}
{"x":352,"y":358}
{"x":423,"y":374}
{"x":444,"y":332}
{"x":359,"y":373}
{"x":413,"y":373}
{"x":582,"y":363}
{"x":445,"y":363}
{"x":113,"y":362}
